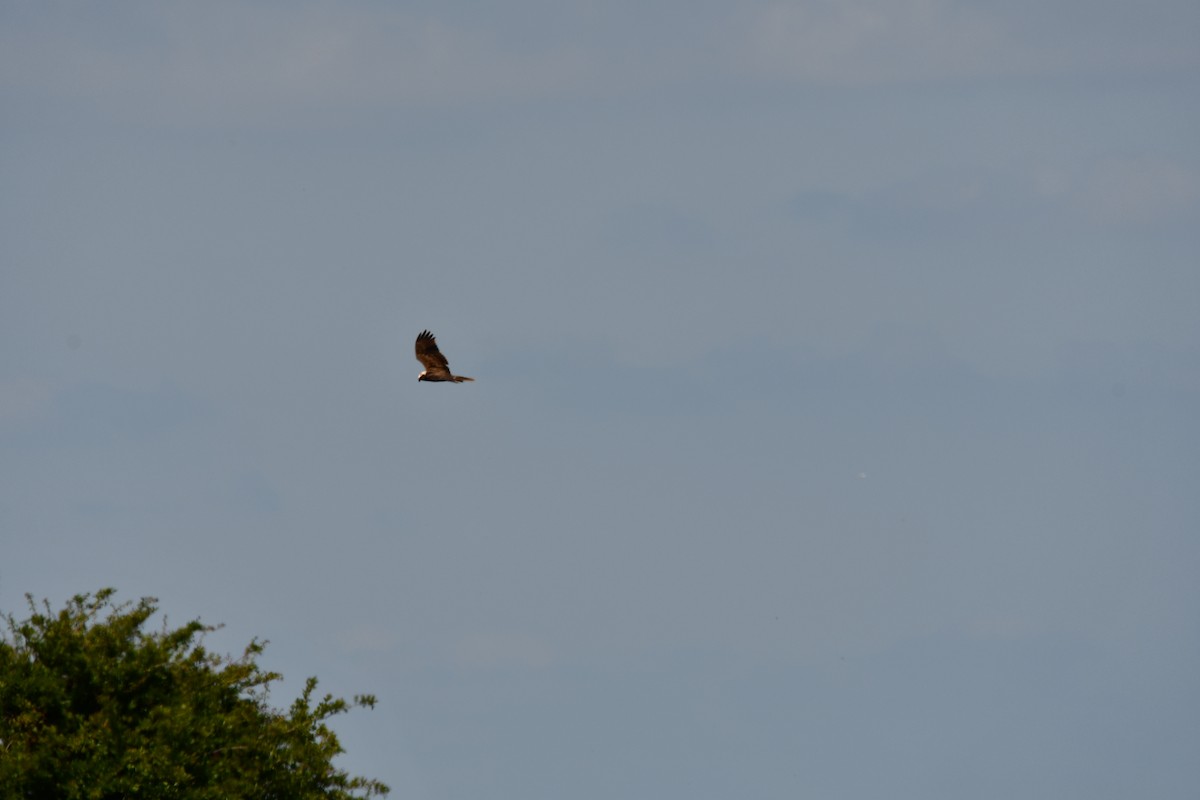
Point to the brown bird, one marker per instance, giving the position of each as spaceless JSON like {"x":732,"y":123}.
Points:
{"x":437,"y":368}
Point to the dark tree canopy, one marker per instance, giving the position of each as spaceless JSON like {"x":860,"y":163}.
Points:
{"x":93,"y":707}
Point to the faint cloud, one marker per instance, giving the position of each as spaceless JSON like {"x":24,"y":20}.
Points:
{"x":1141,"y":191}
{"x":501,"y":650}
{"x":949,"y":203}
{"x":366,"y":637}
{"x":1051,"y":183}
{"x":255,"y":60}
{"x":252,"y":492}
{"x":858,"y":42}
{"x":643,"y":228}
{"x":22,"y":399}
{"x":1000,"y":625}
{"x":870,"y":41}
{"x":95,"y":412}
{"x":249,"y":62}
{"x":907,"y":346}
{"x":1138,"y":191}
{"x":1135,"y":190}
{"x":823,"y":205}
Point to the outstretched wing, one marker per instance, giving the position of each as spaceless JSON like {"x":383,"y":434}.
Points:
{"x":430,"y":357}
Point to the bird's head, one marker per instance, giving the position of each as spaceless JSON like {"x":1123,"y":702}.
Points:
{"x":421,"y":377}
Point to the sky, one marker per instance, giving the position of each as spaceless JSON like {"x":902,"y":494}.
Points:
{"x":835,"y":427}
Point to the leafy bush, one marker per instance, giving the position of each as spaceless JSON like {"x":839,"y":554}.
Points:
{"x":94,"y":708}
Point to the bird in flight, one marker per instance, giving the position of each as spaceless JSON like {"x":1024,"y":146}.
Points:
{"x":437,"y":368}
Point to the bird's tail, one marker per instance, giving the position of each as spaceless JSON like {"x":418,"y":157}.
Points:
{"x":461,"y":378}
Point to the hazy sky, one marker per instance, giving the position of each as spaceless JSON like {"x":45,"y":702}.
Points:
{"x":835,"y":431}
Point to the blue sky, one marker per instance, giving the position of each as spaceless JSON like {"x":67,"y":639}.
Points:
{"x":834,"y":431}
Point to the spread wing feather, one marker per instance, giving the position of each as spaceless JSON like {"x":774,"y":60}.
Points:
{"x":436,"y":365}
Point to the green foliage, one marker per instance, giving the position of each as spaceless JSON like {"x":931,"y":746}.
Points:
{"x":92,"y":709}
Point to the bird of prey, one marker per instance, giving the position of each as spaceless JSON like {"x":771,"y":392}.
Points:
{"x":436,"y":366}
